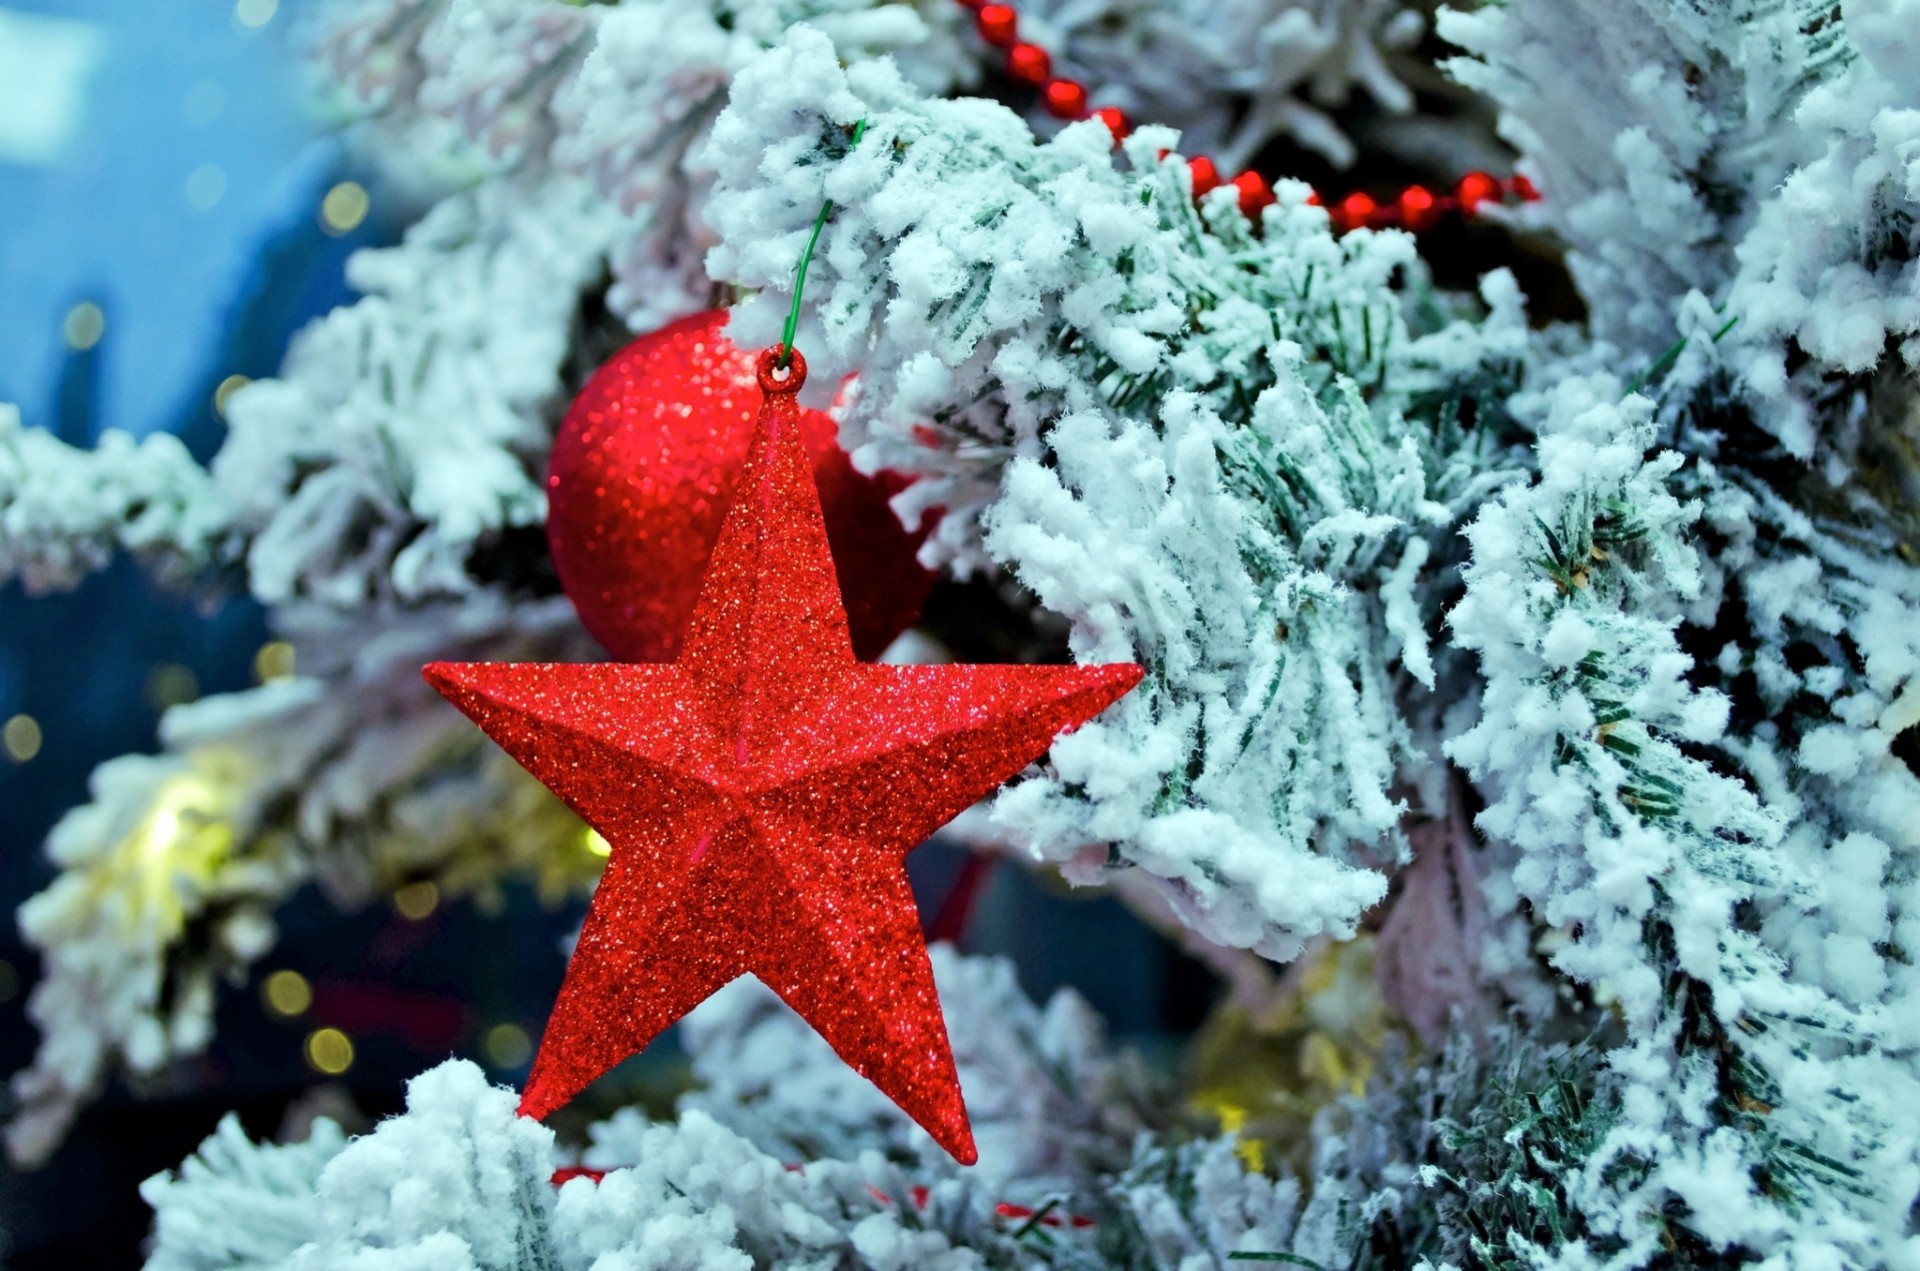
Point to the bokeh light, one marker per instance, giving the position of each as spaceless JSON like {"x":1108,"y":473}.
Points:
{"x":329,"y":1051}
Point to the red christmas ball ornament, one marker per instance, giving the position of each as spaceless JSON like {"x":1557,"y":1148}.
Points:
{"x":643,"y":471}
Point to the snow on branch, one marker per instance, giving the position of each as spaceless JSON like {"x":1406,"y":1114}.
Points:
{"x":1718,"y":856}
{"x":1199,"y":445}
{"x":65,"y":513}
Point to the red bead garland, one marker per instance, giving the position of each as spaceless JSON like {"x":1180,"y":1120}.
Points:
{"x":1114,"y":118}
{"x":1255,"y":194}
{"x":998,"y":24}
{"x":1066,"y":99}
{"x":1476,"y":188}
{"x":1414,"y":208}
{"x":1204,"y":175}
{"x":1029,"y":63}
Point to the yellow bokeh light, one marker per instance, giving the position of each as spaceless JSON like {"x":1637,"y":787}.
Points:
{"x":171,"y":684}
{"x":22,"y":738}
{"x":83,"y":326}
{"x":344,"y":208}
{"x":182,"y":836}
{"x":417,"y":900}
{"x":9,"y":981}
{"x":255,"y":13}
{"x":330,"y":1051}
{"x":287,"y":993}
{"x":227,"y":388}
{"x":596,"y":843}
{"x":507,"y":1046}
{"x":273,"y":661}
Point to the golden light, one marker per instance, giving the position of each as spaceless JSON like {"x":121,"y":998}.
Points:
{"x":507,"y":1046}
{"x":22,"y":738}
{"x":1233,"y":1119}
{"x":255,"y":13}
{"x":287,"y":993}
{"x":184,"y":839}
{"x":273,"y":661}
{"x":9,"y":981}
{"x":171,"y":684}
{"x":330,"y":1051}
{"x":594,"y":842}
{"x":206,"y":186}
{"x":344,"y":208}
{"x":83,"y":326}
{"x":227,"y":388}
{"x":417,"y":900}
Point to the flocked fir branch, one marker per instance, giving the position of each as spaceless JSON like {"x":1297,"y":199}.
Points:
{"x":1201,"y":446}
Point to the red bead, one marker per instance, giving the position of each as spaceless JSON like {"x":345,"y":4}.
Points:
{"x":567,"y":1173}
{"x":1204,"y":175}
{"x":1255,"y":194}
{"x":1476,"y":188}
{"x":970,"y":4}
{"x":1116,"y":121}
{"x":1417,"y":208}
{"x":1358,"y":209}
{"x":999,"y":24}
{"x":1313,"y":198}
{"x":1029,"y":63}
{"x":1065,"y":99}
{"x":1523,"y":189}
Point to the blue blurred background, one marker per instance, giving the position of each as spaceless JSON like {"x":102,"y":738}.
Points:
{"x":161,"y":186}
{"x":171,"y":211}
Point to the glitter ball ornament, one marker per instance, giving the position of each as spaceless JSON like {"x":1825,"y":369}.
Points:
{"x":643,"y":471}
{"x":760,"y":796}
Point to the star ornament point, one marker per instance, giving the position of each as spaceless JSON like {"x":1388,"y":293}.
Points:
{"x":760,"y":796}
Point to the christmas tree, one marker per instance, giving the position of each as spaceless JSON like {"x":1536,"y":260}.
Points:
{"x":1527,"y":672}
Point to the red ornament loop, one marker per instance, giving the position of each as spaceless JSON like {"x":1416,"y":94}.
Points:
{"x":769,"y":362}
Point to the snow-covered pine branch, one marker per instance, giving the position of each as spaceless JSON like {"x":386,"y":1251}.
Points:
{"x":1204,"y":448}
{"x":460,"y":1181}
{"x":65,"y":513}
{"x":1740,"y":895}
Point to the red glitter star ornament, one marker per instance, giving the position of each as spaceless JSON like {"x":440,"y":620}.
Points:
{"x":761,"y":795}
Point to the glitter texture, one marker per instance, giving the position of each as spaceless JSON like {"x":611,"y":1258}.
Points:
{"x":644,"y":468}
{"x":761,"y":795}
